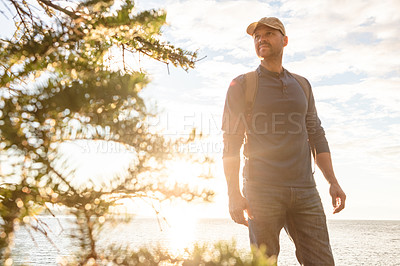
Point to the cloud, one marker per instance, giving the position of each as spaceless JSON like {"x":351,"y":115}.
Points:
{"x":376,"y":60}
{"x":315,"y":24}
{"x":224,"y":71}
{"x":383,"y":96}
{"x":218,"y":26}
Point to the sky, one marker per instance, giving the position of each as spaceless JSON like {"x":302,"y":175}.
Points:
{"x":348,"y":50}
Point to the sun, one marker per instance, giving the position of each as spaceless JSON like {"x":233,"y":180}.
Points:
{"x":182,"y":171}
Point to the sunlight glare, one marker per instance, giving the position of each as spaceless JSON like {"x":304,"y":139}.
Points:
{"x":181,"y":233}
{"x":183,"y":171}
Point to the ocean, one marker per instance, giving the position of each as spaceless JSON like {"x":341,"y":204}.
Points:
{"x":353,"y":242}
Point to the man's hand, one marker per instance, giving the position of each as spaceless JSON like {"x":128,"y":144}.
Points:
{"x":237,"y":206}
{"x":338,"y":197}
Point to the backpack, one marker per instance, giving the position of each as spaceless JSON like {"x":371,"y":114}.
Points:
{"x":251,"y":83}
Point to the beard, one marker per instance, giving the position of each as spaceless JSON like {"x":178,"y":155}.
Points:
{"x":269,"y":53}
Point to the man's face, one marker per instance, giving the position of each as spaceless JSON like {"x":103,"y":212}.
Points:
{"x":269,"y":42}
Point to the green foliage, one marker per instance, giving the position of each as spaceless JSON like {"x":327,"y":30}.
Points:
{"x":220,"y":253}
{"x":58,"y":85}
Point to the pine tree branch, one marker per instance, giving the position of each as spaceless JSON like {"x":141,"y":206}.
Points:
{"x":56,"y":7}
{"x":19,"y":11}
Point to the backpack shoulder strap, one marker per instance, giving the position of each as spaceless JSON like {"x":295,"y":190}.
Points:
{"x":251,"y":83}
{"x":250,"y":90}
{"x":304,"y":85}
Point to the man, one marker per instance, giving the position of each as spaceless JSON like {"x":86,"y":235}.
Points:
{"x":279,"y":188}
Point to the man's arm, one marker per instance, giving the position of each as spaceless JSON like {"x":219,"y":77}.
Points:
{"x":237,"y":203}
{"x":233,"y":136}
{"x":319,"y":145}
{"x":324,"y":163}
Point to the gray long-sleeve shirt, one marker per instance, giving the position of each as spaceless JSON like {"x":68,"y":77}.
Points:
{"x":284,"y":125}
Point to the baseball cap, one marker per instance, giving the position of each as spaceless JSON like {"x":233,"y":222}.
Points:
{"x":267,"y":21}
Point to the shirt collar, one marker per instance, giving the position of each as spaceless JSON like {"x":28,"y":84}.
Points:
{"x":263,"y":71}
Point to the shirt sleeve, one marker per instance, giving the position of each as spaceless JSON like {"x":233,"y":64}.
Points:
{"x":234,"y":119}
{"x":316,"y":133}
